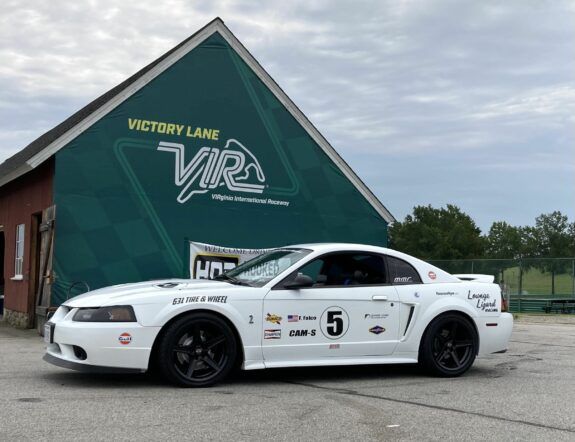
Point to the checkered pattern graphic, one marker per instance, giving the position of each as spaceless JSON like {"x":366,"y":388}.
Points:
{"x":117,"y":215}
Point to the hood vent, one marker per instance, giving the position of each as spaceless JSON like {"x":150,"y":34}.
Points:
{"x":168,"y":285}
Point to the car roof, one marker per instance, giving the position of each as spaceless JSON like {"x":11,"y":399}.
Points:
{"x":424,"y":268}
{"x":337,"y":246}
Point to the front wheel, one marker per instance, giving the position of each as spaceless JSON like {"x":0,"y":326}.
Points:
{"x":197,"y":350}
{"x":449,"y":346}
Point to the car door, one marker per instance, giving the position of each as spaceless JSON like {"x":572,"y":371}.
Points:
{"x":349,"y":311}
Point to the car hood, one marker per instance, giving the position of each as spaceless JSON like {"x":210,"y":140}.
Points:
{"x":143,"y":292}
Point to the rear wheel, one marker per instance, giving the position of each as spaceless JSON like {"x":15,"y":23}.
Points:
{"x":197,"y":350}
{"x":449,"y":345}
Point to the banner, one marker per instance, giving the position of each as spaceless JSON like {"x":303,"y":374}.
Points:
{"x":208,"y":260}
{"x":204,"y":151}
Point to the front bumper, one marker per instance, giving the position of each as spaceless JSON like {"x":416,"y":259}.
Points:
{"x":93,"y":346}
{"x":85,"y":367}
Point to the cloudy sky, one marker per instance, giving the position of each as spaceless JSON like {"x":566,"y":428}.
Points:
{"x":431,"y":102}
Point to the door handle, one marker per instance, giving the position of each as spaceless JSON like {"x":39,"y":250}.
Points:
{"x":379,"y":298}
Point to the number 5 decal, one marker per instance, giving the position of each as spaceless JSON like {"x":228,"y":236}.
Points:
{"x":334,"y":322}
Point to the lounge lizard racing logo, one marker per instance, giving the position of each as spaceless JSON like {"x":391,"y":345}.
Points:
{"x":234,"y":167}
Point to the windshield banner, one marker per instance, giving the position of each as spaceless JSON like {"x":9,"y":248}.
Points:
{"x":208,"y":260}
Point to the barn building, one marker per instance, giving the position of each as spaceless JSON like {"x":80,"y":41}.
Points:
{"x":200,"y":145}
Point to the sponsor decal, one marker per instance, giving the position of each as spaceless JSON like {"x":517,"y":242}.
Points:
{"x":416,"y":294}
{"x":483,"y":302}
{"x":334,"y":322}
{"x":431,"y":275}
{"x":402,"y":279}
{"x":377,"y":330}
{"x":125,"y":338}
{"x":194,"y":299}
{"x":272,"y":334}
{"x":274,"y":319}
{"x":375,"y":316}
{"x":448,"y":293}
{"x":334,"y":346}
{"x":297,"y":318}
{"x":294,"y":333}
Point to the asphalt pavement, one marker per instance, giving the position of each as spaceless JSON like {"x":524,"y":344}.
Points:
{"x":526,"y":394}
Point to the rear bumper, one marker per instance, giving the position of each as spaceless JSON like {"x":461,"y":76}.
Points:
{"x":494,"y":333}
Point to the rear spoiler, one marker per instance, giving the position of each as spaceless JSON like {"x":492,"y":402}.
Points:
{"x":476,"y":277}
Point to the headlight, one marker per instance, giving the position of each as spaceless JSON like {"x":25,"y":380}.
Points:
{"x":116,"y":313}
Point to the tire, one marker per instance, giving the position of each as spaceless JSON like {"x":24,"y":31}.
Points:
{"x":449,"y":346}
{"x":197,"y":350}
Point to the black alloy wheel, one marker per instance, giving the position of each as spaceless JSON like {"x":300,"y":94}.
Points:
{"x":449,"y":345}
{"x":197,"y":350}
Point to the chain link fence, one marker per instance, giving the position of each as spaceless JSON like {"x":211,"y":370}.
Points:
{"x":529,"y":284}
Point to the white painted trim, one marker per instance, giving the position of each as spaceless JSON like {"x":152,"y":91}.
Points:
{"x":216,"y":26}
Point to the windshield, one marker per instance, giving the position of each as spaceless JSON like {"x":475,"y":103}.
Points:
{"x":260,"y":270}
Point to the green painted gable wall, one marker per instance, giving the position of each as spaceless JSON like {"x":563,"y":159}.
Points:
{"x":118,"y":218}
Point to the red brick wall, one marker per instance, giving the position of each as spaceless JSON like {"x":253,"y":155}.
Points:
{"x":19,"y":199}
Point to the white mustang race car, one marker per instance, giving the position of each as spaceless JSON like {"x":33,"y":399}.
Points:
{"x":306,"y":305}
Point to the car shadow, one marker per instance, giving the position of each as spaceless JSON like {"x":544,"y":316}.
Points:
{"x":72,"y":378}
{"x":343,"y":374}
{"x":300,"y":375}
{"x":329,"y":373}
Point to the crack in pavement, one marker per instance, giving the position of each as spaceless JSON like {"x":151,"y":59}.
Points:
{"x":544,"y":343}
{"x":434,"y":407}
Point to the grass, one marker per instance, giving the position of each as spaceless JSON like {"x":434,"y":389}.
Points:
{"x":536,"y":282}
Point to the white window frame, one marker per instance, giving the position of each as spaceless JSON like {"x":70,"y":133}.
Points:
{"x":19,"y":252}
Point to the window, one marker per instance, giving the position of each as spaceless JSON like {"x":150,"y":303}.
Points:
{"x":19,"y":260}
{"x":345,"y":269}
{"x":263,"y":268}
{"x":401,"y":272}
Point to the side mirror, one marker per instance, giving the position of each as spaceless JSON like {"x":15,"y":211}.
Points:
{"x":299,"y":282}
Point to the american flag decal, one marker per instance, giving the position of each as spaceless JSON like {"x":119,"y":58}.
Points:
{"x":293,"y":318}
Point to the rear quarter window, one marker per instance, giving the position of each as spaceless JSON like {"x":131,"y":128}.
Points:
{"x":401,"y":272}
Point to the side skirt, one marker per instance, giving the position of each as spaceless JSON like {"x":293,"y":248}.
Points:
{"x":340,"y":361}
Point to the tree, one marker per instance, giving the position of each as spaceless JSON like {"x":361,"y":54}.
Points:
{"x":444,"y":233}
{"x":504,"y":241}
{"x":552,"y":235}
{"x":571,"y":234}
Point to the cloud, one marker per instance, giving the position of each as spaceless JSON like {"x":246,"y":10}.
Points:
{"x":457,"y":86}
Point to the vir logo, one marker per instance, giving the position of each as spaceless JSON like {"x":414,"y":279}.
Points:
{"x":234,"y":166}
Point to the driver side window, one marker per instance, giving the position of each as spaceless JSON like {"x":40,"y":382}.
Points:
{"x":346,"y":269}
